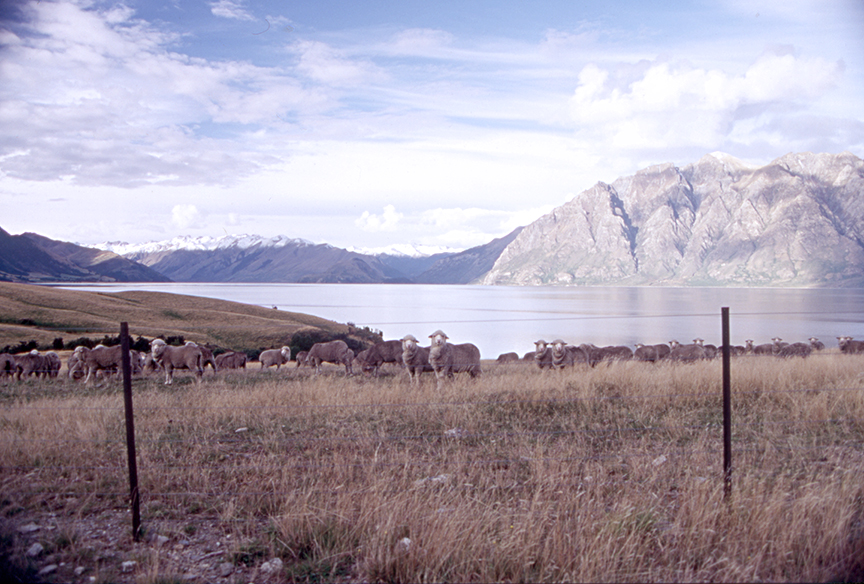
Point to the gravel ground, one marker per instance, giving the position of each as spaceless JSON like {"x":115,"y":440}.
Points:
{"x":53,"y":547}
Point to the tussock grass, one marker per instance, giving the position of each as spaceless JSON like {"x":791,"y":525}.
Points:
{"x":605,"y":475}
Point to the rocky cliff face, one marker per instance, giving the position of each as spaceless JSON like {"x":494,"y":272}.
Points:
{"x":798,"y":221}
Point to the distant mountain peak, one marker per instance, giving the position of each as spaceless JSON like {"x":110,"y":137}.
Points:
{"x":410,"y":250}
{"x":203,"y":243}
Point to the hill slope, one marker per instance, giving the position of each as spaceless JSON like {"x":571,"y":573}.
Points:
{"x":43,"y":313}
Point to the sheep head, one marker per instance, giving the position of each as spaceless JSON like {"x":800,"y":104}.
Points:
{"x":438,"y":338}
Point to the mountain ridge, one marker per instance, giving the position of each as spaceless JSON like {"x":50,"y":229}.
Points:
{"x":797,"y":221}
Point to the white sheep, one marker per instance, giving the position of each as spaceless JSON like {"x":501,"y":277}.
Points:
{"x":277,"y":357}
{"x":447,"y":359}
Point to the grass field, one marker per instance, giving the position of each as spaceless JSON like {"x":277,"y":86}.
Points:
{"x":604,"y":475}
{"x":41,"y":313}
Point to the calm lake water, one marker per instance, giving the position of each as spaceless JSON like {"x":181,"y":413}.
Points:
{"x":499,"y":319}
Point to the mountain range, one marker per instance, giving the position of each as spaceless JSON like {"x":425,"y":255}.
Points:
{"x":797,"y":221}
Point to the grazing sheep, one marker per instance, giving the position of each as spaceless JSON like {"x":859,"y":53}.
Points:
{"x":686,"y":353}
{"x":277,"y":357}
{"x":171,"y":358}
{"x":447,"y":359}
{"x":595,"y":354}
{"x":849,"y":346}
{"x":380,"y":353}
{"x":710,"y":350}
{"x":301,"y":358}
{"x":99,"y":358}
{"x":336,"y":352}
{"x":577,"y":353}
{"x":508,"y":358}
{"x":231,"y":360}
{"x":737,"y":350}
{"x":207,"y":352}
{"x":415,"y":358}
{"x":795,"y":350}
{"x":816,"y":344}
{"x":765,"y":349}
{"x":31,"y":363}
{"x":542,"y":354}
{"x":529,"y":356}
{"x":53,"y":363}
{"x":7,"y":365}
{"x":651,"y":353}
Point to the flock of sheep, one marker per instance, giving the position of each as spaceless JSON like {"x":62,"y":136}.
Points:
{"x":441,"y":357}
{"x":559,"y":354}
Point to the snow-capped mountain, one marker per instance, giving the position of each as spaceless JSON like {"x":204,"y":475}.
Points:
{"x":204,"y":243}
{"x":410,"y":250}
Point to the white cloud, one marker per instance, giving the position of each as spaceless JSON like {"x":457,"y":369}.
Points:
{"x":185,"y":216}
{"x":230,"y":9}
{"x":387,"y":221}
{"x":331,"y":66}
{"x":675,"y":105}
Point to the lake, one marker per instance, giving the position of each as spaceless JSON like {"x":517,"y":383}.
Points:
{"x":499,"y":319}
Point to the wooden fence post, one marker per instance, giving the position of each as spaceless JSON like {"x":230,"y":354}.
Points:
{"x":727,"y":407}
{"x":130,"y":431}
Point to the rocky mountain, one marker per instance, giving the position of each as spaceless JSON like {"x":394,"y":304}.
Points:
{"x":467,"y":266}
{"x":32,"y":258}
{"x":798,"y":221}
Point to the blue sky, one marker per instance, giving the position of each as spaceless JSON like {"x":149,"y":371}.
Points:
{"x":370,"y":124}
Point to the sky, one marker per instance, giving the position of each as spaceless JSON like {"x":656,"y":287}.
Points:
{"x":376,"y":123}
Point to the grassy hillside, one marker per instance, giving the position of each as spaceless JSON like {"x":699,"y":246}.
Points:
{"x":43,"y":314}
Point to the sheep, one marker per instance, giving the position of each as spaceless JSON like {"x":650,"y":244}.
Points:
{"x":7,"y":365}
{"x":415,"y":358}
{"x":231,"y":360}
{"x":651,"y":353}
{"x":765,"y":349}
{"x":380,"y":353}
{"x":336,"y":352}
{"x":849,"y":346}
{"x":53,"y":363}
{"x":277,"y":357}
{"x":171,"y":358}
{"x":595,"y":354}
{"x":795,"y":350}
{"x":99,"y":358}
{"x":577,"y":354}
{"x":208,"y":355}
{"x":710,"y":350}
{"x":562,"y":356}
{"x":447,"y":359}
{"x":301,"y":358}
{"x":542,"y":354}
{"x":778,"y":344}
{"x":31,"y":363}
{"x":508,"y":358}
{"x":816,"y":344}
{"x":529,"y":356}
{"x":687,"y":353}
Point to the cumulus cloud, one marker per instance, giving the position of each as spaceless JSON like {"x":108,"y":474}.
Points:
{"x":185,"y":216}
{"x":386,"y":221}
{"x":681,"y":105}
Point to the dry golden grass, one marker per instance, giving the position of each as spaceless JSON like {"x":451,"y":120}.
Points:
{"x":71,"y":314}
{"x":604,"y":475}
